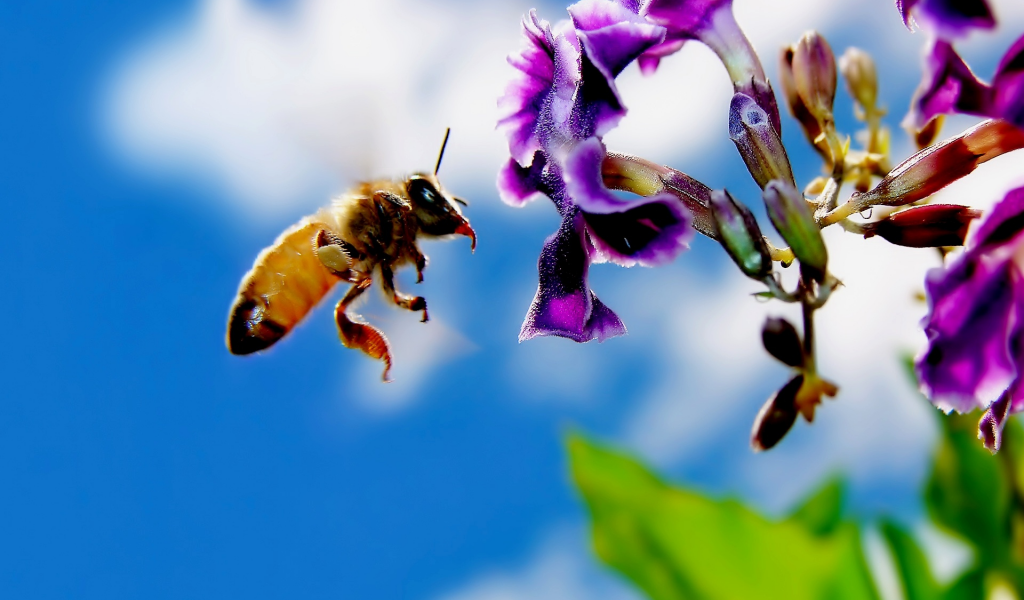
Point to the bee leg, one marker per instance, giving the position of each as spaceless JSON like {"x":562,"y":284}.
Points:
{"x":421,"y":263}
{"x":413,"y":303}
{"x":362,"y":336}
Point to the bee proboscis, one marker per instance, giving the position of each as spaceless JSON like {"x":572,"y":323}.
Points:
{"x":371,"y":229}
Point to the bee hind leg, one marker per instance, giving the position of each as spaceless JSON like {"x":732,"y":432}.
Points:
{"x":362,"y":336}
{"x":413,"y":303}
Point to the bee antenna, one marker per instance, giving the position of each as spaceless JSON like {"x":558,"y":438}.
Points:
{"x":440,"y":154}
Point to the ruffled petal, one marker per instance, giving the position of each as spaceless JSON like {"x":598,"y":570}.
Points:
{"x":612,"y":35}
{"x":948,"y":19}
{"x":968,"y":363}
{"x":648,"y":231}
{"x":524,"y":98}
{"x":564,"y":305}
{"x":947,"y":86}
{"x":1001,"y":224}
{"x":685,"y":18}
{"x":1008,"y":85}
{"x":519,"y":185}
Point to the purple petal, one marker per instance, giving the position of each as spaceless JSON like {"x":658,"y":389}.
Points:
{"x":518,"y":185}
{"x":948,"y":19}
{"x":650,"y":60}
{"x":521,"y":104}
{"x":685,"y":18}
{"x":947,"y":86}
{"x":975,"y":310}
{"x":1008,"y":84}
{"x":1001,"y":224}
{"x":647,"y":231}
{"x":612,"y":35}
{"x":564,"y":305}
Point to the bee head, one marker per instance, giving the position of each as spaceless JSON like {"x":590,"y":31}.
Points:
{"x":436,"y":211}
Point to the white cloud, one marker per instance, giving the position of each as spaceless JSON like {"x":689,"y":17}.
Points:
{"x":276,"y":105}
{"x":560,"y":569}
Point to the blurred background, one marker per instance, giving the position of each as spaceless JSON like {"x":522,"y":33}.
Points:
{"x":149,"y":151}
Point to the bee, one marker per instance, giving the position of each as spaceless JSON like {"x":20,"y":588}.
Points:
{"x":369,"y":231}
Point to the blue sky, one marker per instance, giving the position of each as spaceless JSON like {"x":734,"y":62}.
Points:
{"x":142,"y":460}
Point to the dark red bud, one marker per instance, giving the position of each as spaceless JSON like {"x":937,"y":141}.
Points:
{"x":777,"y":416}
{"x":926,"y":226}
{"x":782,"y":341}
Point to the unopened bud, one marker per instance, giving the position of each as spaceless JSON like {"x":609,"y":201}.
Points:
{"x":926,"y":226}
{"x":792,"y":218}
{"x":861,"y":77}
{"x":757,"y":141}
{"x":777,"y":416}
{"x":939,"y":165}
{"x":782,"y":341}
{"x":740,"y":236}
{"x":814,"y":74}
{"x":810,"y":125}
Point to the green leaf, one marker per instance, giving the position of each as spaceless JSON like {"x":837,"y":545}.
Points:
{"x":969,"y":586}
{"x":967,"y":492}
{"x":911,"y":564}
{"x":822,"y":511}
{"x":676,"y":544}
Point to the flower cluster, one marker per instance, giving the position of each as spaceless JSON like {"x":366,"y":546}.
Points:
{"x":563,"y":100}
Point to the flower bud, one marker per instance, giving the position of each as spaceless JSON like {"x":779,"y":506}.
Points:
{"x":740,"y":236}
{"x":792,"y":218}
{"x":782,"y":341}
{"x":858,"y":70}
{"x":810,"y":125}
{"x":939,"y":165}
{"x":777,"y":416}
{"x":926,"y":226}
{"x":757,"y":141}
{"x":814,"y":75}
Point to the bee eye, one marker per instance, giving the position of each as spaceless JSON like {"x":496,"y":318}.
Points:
{"x":422,"y":191}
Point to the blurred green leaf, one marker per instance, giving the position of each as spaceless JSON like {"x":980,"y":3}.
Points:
{"x":676,"y":544}
{"x":967,"y":492}
{"x":911,"y":564}
{"x":969,"y":586}
{"x":822,"y":512}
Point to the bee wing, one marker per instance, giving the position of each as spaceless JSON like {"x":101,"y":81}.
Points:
{"x":285,"y":282}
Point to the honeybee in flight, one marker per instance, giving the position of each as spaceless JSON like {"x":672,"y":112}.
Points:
{"x":370,"y":229}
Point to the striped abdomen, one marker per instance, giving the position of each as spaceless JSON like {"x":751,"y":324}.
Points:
{"x":286,"y":281}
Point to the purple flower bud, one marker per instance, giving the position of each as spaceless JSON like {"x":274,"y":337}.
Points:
{"x":740,"y":236}
{"x":792,"y":218}
{"x":937,"y":166}
{"x":926,"y":226}
{"x":777,"y":416}
{"x":814,"y":75}
{"x":990,"y":428}
{"x":758,"y":142}
{"x":799,"y":110}
{"x":861,"y":77}
{"x":782,"y":341}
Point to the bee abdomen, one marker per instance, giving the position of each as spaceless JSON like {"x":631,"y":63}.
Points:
{"x":286,"y":281}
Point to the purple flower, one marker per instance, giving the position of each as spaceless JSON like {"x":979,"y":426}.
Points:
{"x":949,"y":86}
{"x":975,"y":324}
{"x":561,"y":101}
{"x":949,"y":19}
